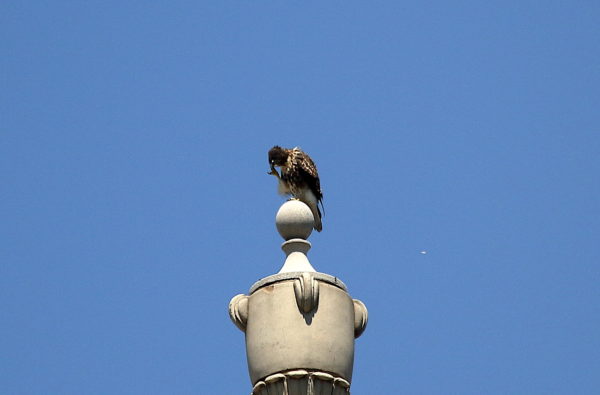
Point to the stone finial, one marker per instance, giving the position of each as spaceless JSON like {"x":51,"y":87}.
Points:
{"x":295,"y":222}
{"x":300,"y":325}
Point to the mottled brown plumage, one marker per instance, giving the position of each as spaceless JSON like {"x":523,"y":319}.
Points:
{"x":299,"y":178}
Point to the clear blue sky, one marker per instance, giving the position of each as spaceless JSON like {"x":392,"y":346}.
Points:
{"x":135,"y":201}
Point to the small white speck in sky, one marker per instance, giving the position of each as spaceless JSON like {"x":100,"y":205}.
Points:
{"x":423,"y":252}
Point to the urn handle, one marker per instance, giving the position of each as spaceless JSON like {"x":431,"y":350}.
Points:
{"x":238,"y":311}
{"x":306,"y":289}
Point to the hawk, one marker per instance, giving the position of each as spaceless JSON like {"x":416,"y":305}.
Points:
{"x":298,"y":178}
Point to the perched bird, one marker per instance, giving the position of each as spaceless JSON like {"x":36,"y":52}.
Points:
{"x":298,"y":178}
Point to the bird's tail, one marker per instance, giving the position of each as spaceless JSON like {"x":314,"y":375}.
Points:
{"x":317,"y":214}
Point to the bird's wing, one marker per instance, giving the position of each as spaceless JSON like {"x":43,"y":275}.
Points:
{"x":311,"y":176}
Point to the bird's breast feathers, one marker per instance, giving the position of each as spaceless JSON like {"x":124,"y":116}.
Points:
{"x":283,"y":188}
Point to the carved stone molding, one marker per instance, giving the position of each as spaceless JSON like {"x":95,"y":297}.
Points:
{"x":302,"y":382}
{"x":276,"y":278}
{"x":306,"y":289}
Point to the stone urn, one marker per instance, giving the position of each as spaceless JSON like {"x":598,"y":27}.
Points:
{"x":300,"y":324}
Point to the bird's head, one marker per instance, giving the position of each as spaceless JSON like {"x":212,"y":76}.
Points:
{"x":278,"y":156}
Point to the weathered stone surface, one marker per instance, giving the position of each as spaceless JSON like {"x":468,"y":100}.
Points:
{"x":280,"y":336}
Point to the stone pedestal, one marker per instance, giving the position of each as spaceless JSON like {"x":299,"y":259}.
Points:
{"x":300,"y":325}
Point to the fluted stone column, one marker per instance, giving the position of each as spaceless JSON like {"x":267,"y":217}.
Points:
{"x":300,"y":324}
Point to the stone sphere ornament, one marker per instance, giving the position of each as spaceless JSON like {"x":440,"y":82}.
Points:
{"x":294,"y":220}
